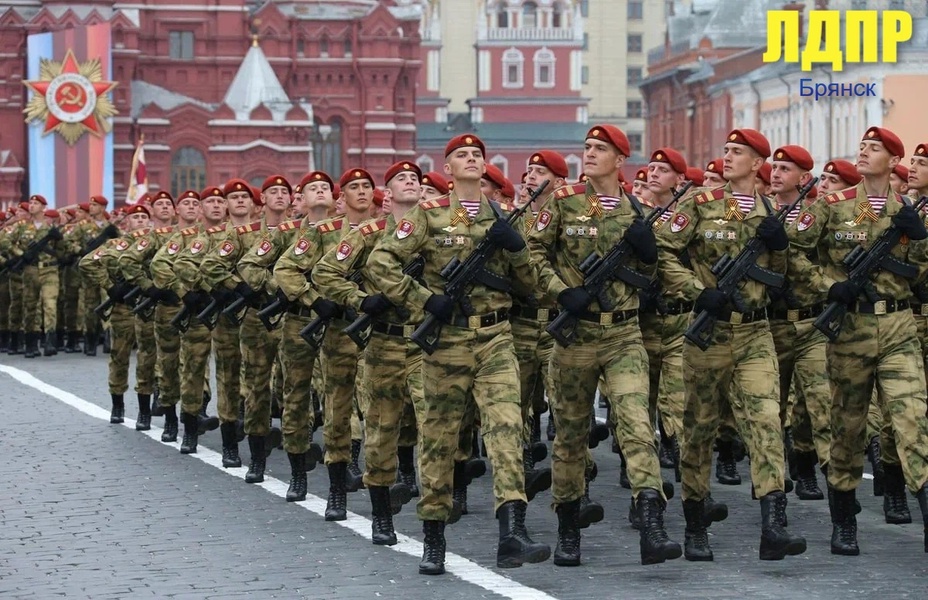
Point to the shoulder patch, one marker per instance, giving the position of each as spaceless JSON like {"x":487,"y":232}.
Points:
{"x":140,"y":232}
{"x":289,"y":225}
{"x":189,"y":231}
{"x":570,"y":190}
{"x":163,"y":230}
{"x":848,"y":194}
{"x":226,"y":249}
{"x":173,"y":247}
{"x":441,"y":201}
{"x":330,"y":226}
{"x":302,"y":245}
{"x":716,"y":194}
{"x":249,"y":228}
{"x":264,"y":248}
{"x":544,"y":219}
{"x":217,"y":229}
{"x":373,"y":227}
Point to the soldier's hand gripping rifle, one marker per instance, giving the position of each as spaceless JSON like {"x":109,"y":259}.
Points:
{"x":31,"y":254}
{"x":313,"y":333}
{"x":731,"y":273}
{"x":145,"y":309}
{"x":461,"y":276}
{"x":123,"y":293}
{"x":107,"y":233}
{"x":600,"y":271}
{"x":359,"y":329}
{"x":861,"y":265}
{"x":272,"y":312}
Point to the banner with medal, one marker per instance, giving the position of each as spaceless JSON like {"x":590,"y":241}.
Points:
{"x":69,"y":111}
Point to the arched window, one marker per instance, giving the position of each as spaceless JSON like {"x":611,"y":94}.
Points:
{"x":502,"y":17}
{"x":188,"y":170}
{"x":529,"y":15}
{"x":512,"y":68}
{"x":425,"y":163}
{"x":327,"y":147}
{"x":544,"y":68}
{"x":502,"y":163}
{"x":574,"y":167}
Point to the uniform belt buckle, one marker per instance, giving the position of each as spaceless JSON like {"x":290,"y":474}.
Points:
{"x":879,"y":308}
{"x":923,"y":310}
{"x":792,"y":314}
{"x":736,"y":318}
{"x":543,"y":314}
{"x":605,"y":318}
{"x":473,"y":322}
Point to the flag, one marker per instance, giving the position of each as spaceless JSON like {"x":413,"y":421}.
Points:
{"x":138,"y":178}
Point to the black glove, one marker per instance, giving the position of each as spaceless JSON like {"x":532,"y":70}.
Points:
{"x":376,"y":304}
{"x":910,"y":223}
{"x":642,"y":239}
{"x":251,"y":297}
{"x":118,"y":291}
{"x":153,"y":292}
{"x":54,"y":234}
{"x":325,"y":308}
{"x":772,"y":233}
{"x":502,"y":235}
{"x":712,"y":301}
{"x":282,"y":297}
{"x":193,"y":300}
{"x":845,"y":292}
{"x":441,"y":306}
{"x":575,"y":300}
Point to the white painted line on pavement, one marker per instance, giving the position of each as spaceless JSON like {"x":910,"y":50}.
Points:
{"x":459,"y":566}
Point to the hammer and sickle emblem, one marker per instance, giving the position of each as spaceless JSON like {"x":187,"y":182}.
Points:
{"x":72,"y":95}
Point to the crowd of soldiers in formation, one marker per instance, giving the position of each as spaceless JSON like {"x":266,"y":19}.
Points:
{"x":434,"y":320}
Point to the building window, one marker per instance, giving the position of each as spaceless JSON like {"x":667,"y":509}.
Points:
{"x":327,"y":146}
{"x":347,"y":47}
{"x":499,"y":161}
{"x":300,"y":47}
{"x":544,"y":68}
{"x":324,"y":47}
{"x":188,"y":170}
{"x":502,"y":17}
{"x":574,"y":165}
{"x":633,"y":109}
{"x":635,"y":10}
{"x":634,"y":75}
{"x":556,"y":17}
{"x":512,"y":68}
{"x":584,"y":75}
{"x":586,"y":41}
{"x":634,"y":142}
{"x":584,"y":8}
{"x":181,"y":43}
{"x":529,"y":15}
{"x":425,"y":163}
{"x":634,"y":42}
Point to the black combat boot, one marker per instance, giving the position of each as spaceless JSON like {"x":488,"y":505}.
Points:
{"x":354,"y":481}
{"x":875,"y":455}
{"x":843,"y":522}
{"x":16,"y":338}
{"x":589,"y":511}
{"x":119,"y":408}
{"x":230,"y":457}
{"x":407,"y":469}
{"x":297,"y":490}
{"x":143,"y":422}
{"x":399,"y":496}
{"x":90,"y":343}
{"x":191,"y":433}
{"x":726,"y":469}
{"x":459,"y":483}
{"x":433,"y":548}
{"x":515,"y":546}
{"x":382,"y":532}
{"x":74,"y":343}
{"x":4,"y":340}
{"x":567,"y":552}
{"x":60,"y":339}
{"x":336,"y":508}
{"x":656,"y":547}
{"x":32,"y":346}
{"x":170,"y":424}
{"x":633,"y":515}
{"x":313,"y":456}
{"x":204,"y":421}
{"x":274,"y":439}
{"x":895,"y":504}
{"x":713,"y":512}
{"x":806,"y":482}
{"x":775,"y":542}
{"x":665,"y":450}
{"x":922,"y":496}
{"x":536,"y":480}
{"x":551,"y":429}
{"x":696,"y":537}
{"x":536,"y":428}
{"x":51,"y":344}
{"x":258,"y":463}
{"x":156,"y":409}
{"x":598,"y":432}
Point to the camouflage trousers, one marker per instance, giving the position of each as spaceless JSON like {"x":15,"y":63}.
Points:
{"x":69,"y":298}
{"x":91,"y":296}
{"x":615,"y":352}
{"x":741,"y":364}
{"x":663,"y":341}
{"x":470,"y":426}
{"x":470,"y":362}
{"x":146,"y":358}
{"x":228,"y":355}
{"x":534,"y":348}
{"x":40,"y":298}
{"x":5,"y":304}
{"x":340,"y":358}
{"x":16,"y":301}
{"x":359,"y":402}
{"x":921,"y":328}
{"x":391,"y":387}
{"x":122,"y":323}
{"x":880,"y":351}
{"x":195,"y":346}
{"x":168,"y":344}
{"x":259,"y":352}
{"x":296,"y":358}
{"x":801,"y":358}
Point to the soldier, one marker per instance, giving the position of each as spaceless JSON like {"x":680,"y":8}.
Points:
{"x":762,"y":181}
{"x":496,"y":186}
{"x":434,"y":185}
{"x":90,"y":292}
{"x":640,"y":185}
{"x":40,"y":280}
{"x":69,"y":253}
{"x":878,"y":341}
{"x":694,"y":174}
{"x":800,"y":346}
{"x":899,"y":179}
{"x":576,"y":222}
{"x":838,"y":175}
{"x":713,"y":175}
{"x":742,"y":357}
{"x":474,"y":354}
{"x":918,"y":183}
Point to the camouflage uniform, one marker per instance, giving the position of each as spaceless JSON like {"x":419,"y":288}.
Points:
{"x":69,"y":250}
{"x":90,"y":296}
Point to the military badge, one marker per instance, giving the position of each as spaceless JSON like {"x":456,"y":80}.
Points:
{"x":343,"y":251}
{"x":196,"y":247}
{"x":679,"y":223}
{"x":805,"y":221}
{"x":404,"y":229}
{"x":143,"y":243}
{"x":301,"y":247}
{"x":544,"y":218}
{"x":226,"y":249}
{"x":173,"y":247}
{"x":122,"y":245}
{"x":264,"y":248}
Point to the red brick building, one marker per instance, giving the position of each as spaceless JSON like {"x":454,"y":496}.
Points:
{"x":234,"y":88}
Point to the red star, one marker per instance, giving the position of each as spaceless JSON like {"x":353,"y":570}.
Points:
{"x":70,"y":66}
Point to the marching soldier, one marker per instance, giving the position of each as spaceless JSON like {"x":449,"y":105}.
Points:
{"x":899,"y":179}
{"x":713,"y":175}
{"x":68,"y":255}
{"x":838,"y":175}
{"x":39,"y":277}
{"x":91,"y":295}
{"x":434,"y":185}
{"x":918,"y":183}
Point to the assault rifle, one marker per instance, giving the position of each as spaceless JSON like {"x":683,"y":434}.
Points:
{"x":107,"y":233}
{"x":600,"y":271}
{"x":461,"y":276}
{"x":860,"y":265}
{"x":359,"y":331}
{"x":31,"y":254}
{"x":145,"y":309}
{"x":313,"y":333}
{"x":730,"y":274}
{"x":273,"y":312}
{"x":105,"y":308}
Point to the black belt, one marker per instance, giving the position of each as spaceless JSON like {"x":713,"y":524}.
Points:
{"x":478,"y":321}
{"x":678,"y":309}
{"x":797,"y":314}
{"x":535,"y":314}
{"x":347,"y":314}
{"x":737,"y":318}
{"x":402,"y":331}
{"x":297,"y":309}
{"x":883,"y":307}
{"x":608,"y":318}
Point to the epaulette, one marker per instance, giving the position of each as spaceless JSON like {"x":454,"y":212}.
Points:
{"x":330,"y":226}
{"x":716,"y":194}
{"x":570,"y":190}
{"x":441,"y":201}
{"x":289,"y":225}
{"x":507,"y":206}
{"x":373,"y":226}
{"x":141,"y":232}
{"x":848,"y":194}
{"x":217,"y":228}
{"x":189,"y":231}
{"x":163,"y":230}
{"x":256,"y":226}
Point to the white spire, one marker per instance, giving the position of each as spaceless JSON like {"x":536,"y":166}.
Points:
{"x":256,"y":84}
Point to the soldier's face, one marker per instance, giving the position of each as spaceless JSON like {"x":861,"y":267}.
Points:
{"x":739,"y":161}
{"x":428,"y":192}
{"x":138,"y":221}
{"x":36,"y":207}
{"x":662,"y":178}
{"x":829,"y":182}
{"x":188,"y":209}
{"x":601,"y":158}
{"x":240,"y":204}
{"x":537,"y":174}
{"x":358,"y":195}
{"x":712,"y":179}
{"x":918,"y":173}
{"x":163,"y":209}
{"x":488,"y":188}
{"x":318,"y":194}
{"x":403,"y":189}
{"x":899,"y":185}
{"x":465,"y":164}
{"x":96,"y":210}
{"x":785,"y":176}
{"x":276,"y":198}
{"x":873,"y":159}
{"x":213,"y":208}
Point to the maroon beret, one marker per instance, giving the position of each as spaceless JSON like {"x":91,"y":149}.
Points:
{"x":213,"y":190}
{"x":135,"y":209}
{"x":641,"y":175}
{"x":463,"y":141}
{"x":845,"y":170}
{"x":890,"y":140}
{"x":795,"y":154}
{"x":921,"y":150}
{"x":352,"y":174}
{"x":436,"y":181}
{"x":751,"y":138}
{"x":189,"y":194}
{"x":671,"y":157}
{"x":399,"y":167}
{"x":40,"y":198}
{"x":162,"y":195}
{"x":275,"y":180}
{"x":551,"y":160}
{"x":715,"y":166}
{"x":764,"y":172}
{"x":695,"y":175}
{"x":611,"y":134}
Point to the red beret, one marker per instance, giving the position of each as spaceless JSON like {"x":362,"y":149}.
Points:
{"x":240,"y":185}
{"x":627,"y":187}
{"x":751,"y":138}
{"x":275,"y":180}
{"x":551,"y":160}
{"x":509,"y":190}
{"x":921,"y":150}
{"x":715,"y":166}
{"x":378,"y":197}
{"x":465,"y":140}
{"x":764,"y":172}
{"x":495,"y":176}
{"x":795,"y":154}
{"x":336,"y":191}
{"x":163,"y":195}
{"x":84,"y":206}
{"x":436,"y":181}
{"x":611,"y":134}
{"x":397,"y":168}
{"x":890,"y":140}
{"x":52,"y":214}
{"x":71,"y":212}
{"x":352,"y":174}
{"x":314,"y":176}
{"x":40,"y":198}
{"x":641,"y":175}
{"x":2,"y":216}
{"x":213,"y":190}
{"x":671,"y":157}
{"x":695,"y":175}
{"x":845,"y":170}
{"x":145,"y":199}
{"x":101,"y":200}
{"x":524,"y":177}
{"x":24,"y":205}
{"x":901,"y":172}
{"x":256,"y":194}
{"x":813,"y":194}
{"x":137,"y":209}
{"x":189,"y":194}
